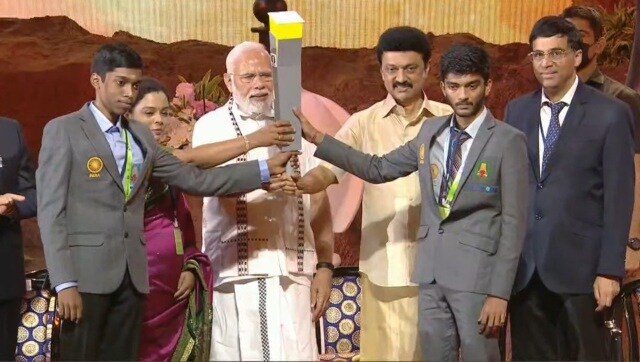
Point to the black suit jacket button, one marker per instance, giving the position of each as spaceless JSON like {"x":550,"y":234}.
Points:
{"x":538,"y":217}
{"x":540,"y":186}
{"x":124,"y":209}
{"x":126,"y":234}
{"x":441,"y":231}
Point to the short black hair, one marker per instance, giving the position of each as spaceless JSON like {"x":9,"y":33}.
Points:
{"x":404,"y":39}
{"x":149,"y":85}
{"x":462,"y":59}
{"x":115,"y":55}
{"x":550,"y":26}
{"x":589,"y":14}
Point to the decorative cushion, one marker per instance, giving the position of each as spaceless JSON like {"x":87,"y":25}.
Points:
{"x":39,"y":324}
{"x":340,"y":326}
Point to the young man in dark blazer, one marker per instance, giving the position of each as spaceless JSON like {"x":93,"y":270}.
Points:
{"x":581,"y":186}
{"x":17,"y":201}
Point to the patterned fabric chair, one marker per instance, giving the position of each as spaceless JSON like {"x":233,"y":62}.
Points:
{"x":339,"y":328}
{"x":39,"y":325}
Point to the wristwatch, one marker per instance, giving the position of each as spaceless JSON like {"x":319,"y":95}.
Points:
{"x":634,"y":244}
{"x":327,"y":265}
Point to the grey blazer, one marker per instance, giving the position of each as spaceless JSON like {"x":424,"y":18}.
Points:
{"x":475,"y":249}
{"x":90,"y":234}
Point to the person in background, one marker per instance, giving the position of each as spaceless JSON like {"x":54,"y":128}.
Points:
{"x":589,"y":22}
{"x":17,"y":201}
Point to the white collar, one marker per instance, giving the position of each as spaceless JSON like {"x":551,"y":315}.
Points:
{"x":472,"y":129}
{"x":104,"y":122}
{"x":567,"y":98}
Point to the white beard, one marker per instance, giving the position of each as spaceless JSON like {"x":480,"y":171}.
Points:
{"x":252,"y":107}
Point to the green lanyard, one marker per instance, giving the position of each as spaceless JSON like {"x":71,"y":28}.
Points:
{"x":128,"y":167}
{"x":453,"y":191}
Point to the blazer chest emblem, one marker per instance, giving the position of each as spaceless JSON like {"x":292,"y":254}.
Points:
{"x":482,"y":172}
{"x":94,"y":165}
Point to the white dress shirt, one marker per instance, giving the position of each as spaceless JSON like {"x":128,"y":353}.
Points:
{"x":442,"y":144}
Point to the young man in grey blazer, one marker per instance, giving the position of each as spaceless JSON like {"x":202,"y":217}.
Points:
{"x":93,"y":172}
{"x":473,"y":178}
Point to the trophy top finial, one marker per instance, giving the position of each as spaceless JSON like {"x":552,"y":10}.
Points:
{"x":261,"y":8}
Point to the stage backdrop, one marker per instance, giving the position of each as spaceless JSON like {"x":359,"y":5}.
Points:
{"x":44,"y":62}
{"x":330,"y":23}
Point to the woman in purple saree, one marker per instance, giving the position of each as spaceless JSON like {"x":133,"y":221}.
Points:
{"x":179,"y":275}
{"x":177,"y":317}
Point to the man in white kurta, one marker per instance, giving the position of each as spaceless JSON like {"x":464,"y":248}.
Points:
{"x":261,"y":244}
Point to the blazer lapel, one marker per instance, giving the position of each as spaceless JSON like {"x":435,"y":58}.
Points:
{"x":136,"y":132}
{"x":99,"y":142}
{"x":431,"y":137}
{"x":569,"y":128}
{"x":482,"y":137}
{"x":532,"y":131}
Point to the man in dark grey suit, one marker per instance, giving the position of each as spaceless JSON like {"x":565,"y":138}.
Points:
{"x":93,"y":174}
{"x":581,"y":187}
{"x":17,"y":201}
{"x":473,"y":181}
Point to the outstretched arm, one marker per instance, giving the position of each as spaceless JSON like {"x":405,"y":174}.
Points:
{"x":277,"y":133}
{"x":375,"y":169}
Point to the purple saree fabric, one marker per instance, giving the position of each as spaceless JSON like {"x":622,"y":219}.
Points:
{"x":164,"y":318}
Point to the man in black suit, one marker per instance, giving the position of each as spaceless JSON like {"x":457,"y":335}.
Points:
{"x":581,"y":188}
{"x":17,"y":201}
{"x":589,"y":22}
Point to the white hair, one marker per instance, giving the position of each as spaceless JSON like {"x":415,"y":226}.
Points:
{"x":242,"y":48}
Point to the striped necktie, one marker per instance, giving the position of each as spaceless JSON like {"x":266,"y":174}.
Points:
{"x":457,"y":159}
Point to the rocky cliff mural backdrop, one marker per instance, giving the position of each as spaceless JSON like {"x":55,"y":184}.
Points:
{"x":44,"y":73}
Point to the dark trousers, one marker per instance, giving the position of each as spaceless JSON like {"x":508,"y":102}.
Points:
{"x":9,"y":319}
{"x":549,"y":326}
{"x":109,"y":329}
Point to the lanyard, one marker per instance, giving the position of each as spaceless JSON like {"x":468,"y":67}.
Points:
{"x":449,"y":187}
{"x":128,"y":166}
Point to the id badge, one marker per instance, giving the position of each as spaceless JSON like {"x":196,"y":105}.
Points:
{"x":177,"y":234}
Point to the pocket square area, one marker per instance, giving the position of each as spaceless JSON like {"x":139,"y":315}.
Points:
{"x":483,"y":188}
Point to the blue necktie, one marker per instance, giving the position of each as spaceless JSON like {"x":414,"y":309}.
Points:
{"x":552,"y":132}
{"x":119,"y":148}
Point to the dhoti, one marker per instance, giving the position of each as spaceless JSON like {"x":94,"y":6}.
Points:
{"x":266,"y":319}
{"x":389,"y":330}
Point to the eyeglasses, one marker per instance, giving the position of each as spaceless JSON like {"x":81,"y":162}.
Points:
{"x":555,"y":55}
{"x":409,"y":69}
{"x":248,"y":78}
